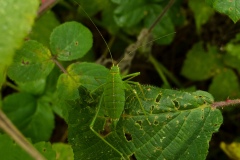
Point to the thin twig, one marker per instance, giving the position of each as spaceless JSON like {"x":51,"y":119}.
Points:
{"x":64,"y":136}
{"x":46,"y":5}
{"x":170,"y":3}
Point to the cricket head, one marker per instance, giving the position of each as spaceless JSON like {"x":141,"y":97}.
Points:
{"x":114,"y":69}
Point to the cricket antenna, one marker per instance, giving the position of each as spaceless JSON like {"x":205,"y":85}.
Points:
{"x":97,"y":30}
{"x":129,"y":53}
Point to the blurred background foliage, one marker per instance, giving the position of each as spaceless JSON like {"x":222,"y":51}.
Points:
{"x":203,"y":54}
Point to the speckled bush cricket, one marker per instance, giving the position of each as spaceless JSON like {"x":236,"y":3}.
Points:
{"x":113,"y":98}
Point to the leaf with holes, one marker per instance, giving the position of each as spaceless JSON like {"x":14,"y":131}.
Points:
{"x":179,"y":126}
{"x":70,"y":41}
{"x":32,"y":62}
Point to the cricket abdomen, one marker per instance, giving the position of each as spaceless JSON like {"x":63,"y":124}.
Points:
{"x":114,"y":94}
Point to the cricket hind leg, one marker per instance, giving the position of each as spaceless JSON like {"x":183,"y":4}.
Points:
{"x":97,"y":88}
{"x":135,"y":93}
{"x":97,"y":134}
{"x":131,"y":76}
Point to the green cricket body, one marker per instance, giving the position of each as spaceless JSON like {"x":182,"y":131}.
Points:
{"x":114,"y":95}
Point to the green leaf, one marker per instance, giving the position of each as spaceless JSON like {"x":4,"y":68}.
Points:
{"x":232,"y":61}
{"x":20,"y":108}
{"x":92,"y":8}
{"x":89,"y":75}
{"x":179,"y":126}
{"x":177,"y":19}
{"x":108,"y":18}
{"x":64,"y":151}
{"x":30,"y":115}
{"x":34,"y":87}
{"x":230,"y":8}
{"x":51,"y":81}
{"x":202,"y":12}
{"x":131,"y":13}
{"x":60,"y":108}
{"x":43,"y":27}
{"x":237,"y":38}
{"x":232,"y":149}
{"x":3,"y":70}
{"x":38,"y":129}
{"x":16,"y":21}
{"x":70,"y":41}
{"x":232,"y":57}
{"x":224,"y":85}
{"x":233,"y":49}
{"x":201,"y":64}
{"x":162,"y":28}
{"x":46,"y":150}
{"x":9,"y":150}
{"x":31,"y":62}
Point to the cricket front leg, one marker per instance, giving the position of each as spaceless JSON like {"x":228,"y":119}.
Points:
{"x":130,"y":76}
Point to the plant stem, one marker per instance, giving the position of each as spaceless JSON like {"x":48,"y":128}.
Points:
{"x":226,"y":103}
{"x":159,"y":70}
{"x":46,"y":6}
{"x":12,"y":86}
{"x":62,"y":68}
